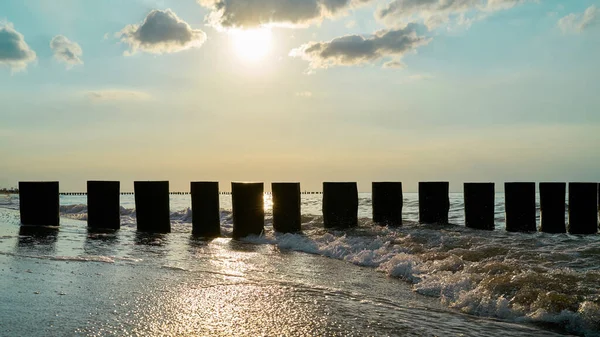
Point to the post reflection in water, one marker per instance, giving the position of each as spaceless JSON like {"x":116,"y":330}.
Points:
{"x":38,"y":239}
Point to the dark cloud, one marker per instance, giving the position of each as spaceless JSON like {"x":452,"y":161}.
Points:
{"x":253,"y":13}
{"x":14,"y":51}
{"x":161,"y":32}
{"x":355,"y":49}
{"x":66,"y":50}
{"x":436,"y":12}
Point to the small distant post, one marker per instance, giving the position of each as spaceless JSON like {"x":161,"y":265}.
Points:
{"x":583,"y":208}
{"x":206,"y":215}
{"x":434,"y":202}
{"x":286,"y":207}
{"x":552,"y":207}
{"x":152,"y":206}
{"x":104,"y":209}
{"x":387,"y":203}
{"x":39,"y":203}
{"x":479,"y":205}
{"x":340,"y":204}
{"x":248,"y":209}
{"x":519,"y":201}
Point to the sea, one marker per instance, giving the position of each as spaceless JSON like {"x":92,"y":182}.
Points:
{"x":414,"y":280}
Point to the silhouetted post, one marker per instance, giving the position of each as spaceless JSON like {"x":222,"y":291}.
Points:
{"x":583,"y":208}
{"x":152,"y":206}
{"x":434,"y":202}
{"x":206,"y":215}
{"x":340,"y":205}
{"x":387,"y":203}
{"x":39,"y":203}
{"x":286,"y":207}
{"x":104,"y":209}
{"x":248,"y":209}
{"x":552,"y":207}
{"x":519,"y":206}
{"x":479,"y":205}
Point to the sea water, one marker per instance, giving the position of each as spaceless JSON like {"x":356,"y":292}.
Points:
{"x":416,"y":280}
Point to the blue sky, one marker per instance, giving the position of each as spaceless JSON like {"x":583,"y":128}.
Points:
{"x":300,"y":90}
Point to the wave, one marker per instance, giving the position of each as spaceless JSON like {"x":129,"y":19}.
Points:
{"x":497,"y":275}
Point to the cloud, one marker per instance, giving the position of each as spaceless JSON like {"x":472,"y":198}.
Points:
{"x":304,"y":94}
{"x":109,"y":95}
{"x":161,"y":32}
{"x":577,"y":23}
{"x":434,"y":13}
{"x":14,"y":51}
{"x":66,"y":50}
{"x":290,"y":13}
{"x":353,"y":50}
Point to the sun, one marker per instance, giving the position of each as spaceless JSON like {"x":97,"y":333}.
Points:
{"x":252,"y":44}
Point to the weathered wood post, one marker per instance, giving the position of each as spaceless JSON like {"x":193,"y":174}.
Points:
{"x":104,"y":208}
{"x":520,"y":206}
{"x":248,"y":209}
{"x":340,"y":204}
{"x":206,"y":214}
{"x":479,"y":205}
{"x":286,"y":207}
{"x":583,"y":208}
{"x":39,"y":203}
{"x":434,"y":202}
{"x":387,"y":203}
{"x":552,"y":207}
{"x":152,"y":206}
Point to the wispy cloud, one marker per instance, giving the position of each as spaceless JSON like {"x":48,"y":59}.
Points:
{"x":304,"y":94}
{"x":14,"y":51}
{"x":434,"y":13}
{"x":578,"y":22}
{"x":66,"y":51}
{"x":353,"y":50}
{"x":111,"y":95}
{"x":161,"y":32}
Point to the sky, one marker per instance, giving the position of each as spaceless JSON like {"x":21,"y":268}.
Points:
{"x":299,"y":90}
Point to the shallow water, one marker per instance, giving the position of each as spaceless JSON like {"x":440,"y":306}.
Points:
{"x":414,"y":280}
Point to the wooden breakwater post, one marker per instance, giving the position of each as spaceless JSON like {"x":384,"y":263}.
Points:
{"x":248,"y":209}
{"x":552,"y":207}
{"x":286,"y":207}
{"x":340,"y":204}
{"x":479,"y":205}
{"x":104,"y":208}
{"x":39,"y":203}
{"x":206,"y":214}
{"x":152,"y":206}
{"x":387,"y":203}
{"x":519,"y":199}
{"x":434,"y":202}
{"x":583,"y":208}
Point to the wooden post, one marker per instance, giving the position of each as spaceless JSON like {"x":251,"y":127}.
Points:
{"x":479,"y":205}
{"x":286,"y":207}
{"x":39,"y":203}
{"x":152,"y":206}
{"x":206,"y":214}
{"x":520,"y":207}
{"x":340,"y":204}
{"x":387,"y":203}
{"x":552,"y":207}
{"x":434,"y":203}
{"x":104,"y":208}
{"x":583,"y":208}
{"x":248,"y":209}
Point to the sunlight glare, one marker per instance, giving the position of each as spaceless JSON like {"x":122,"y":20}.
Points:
{"x":252,"y":44}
